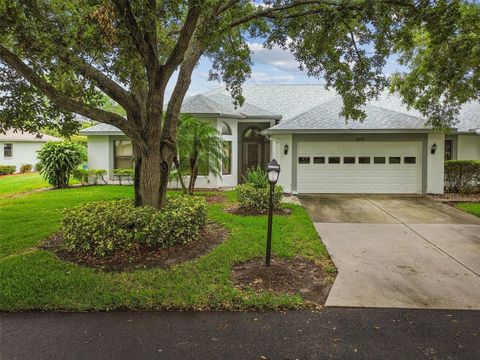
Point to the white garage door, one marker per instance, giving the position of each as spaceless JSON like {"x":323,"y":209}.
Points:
{"x":359,"y":167}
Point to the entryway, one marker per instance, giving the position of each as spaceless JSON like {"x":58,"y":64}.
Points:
{"x":398,"y":251}
{"x":255,"y":148}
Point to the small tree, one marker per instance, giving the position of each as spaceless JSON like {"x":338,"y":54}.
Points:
{"x":59,"y":160}
{"x":201,"y":144}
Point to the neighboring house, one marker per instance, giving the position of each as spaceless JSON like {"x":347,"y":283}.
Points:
{"x":19,"y":148}
{"x":319,"y":152}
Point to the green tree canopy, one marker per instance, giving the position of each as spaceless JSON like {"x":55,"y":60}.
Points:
{"x":61,"y":57}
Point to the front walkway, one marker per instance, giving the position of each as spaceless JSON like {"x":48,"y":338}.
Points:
{"x":399,"y":251}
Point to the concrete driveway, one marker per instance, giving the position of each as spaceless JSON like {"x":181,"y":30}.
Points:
{"x":399,"y":251}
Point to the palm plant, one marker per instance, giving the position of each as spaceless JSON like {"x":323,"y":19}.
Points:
{"x":199,"y":146}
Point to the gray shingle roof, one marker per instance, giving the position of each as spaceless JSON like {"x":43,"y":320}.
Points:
{"x":285,"y":100}
{"x":310,"y":107}
{"x":14,"y":135}
{"x":326,"y":116}
{"x":101,"y":128}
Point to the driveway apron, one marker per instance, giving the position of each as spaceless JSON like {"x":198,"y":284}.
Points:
{"x":398,"y":251}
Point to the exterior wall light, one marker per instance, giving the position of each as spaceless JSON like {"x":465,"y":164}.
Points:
{"x":285,"y":149}
{"x":434,"y":148}
{"x":273,"y":171}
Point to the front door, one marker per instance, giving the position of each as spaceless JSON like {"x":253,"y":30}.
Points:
{"x":255,"y":150}
{"x":252,"y":156}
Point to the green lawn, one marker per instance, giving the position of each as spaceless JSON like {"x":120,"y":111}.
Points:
{"x":472,"y":208}
{"x":36,"y":279}
{"x":13,"y":184}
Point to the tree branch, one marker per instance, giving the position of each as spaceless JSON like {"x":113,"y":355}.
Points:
{"x":271,"y":12}
{"x":60,"y":98}
{"x":147,"y":50}
{"x":179,"y":91}
{"x":183,"y":42}
{"x":104,"y":83}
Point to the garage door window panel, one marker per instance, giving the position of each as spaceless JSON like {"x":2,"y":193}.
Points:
{"x":394,"y":160}
{"x":304,"y":160}
{"x":409,"y":160}
{"x":334,"y":160}
{"x":349,"y":160}
{"x":364,"y":160}
{"x":319,"y":160}
{"x":379,"y":160}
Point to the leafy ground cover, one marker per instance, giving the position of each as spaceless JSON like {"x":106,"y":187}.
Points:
{"x":33,"y":278}
{"x":472,"y":208}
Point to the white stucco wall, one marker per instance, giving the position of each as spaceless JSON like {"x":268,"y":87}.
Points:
{"x":23,"y":152}
{"x":99,"y":152}
{"x":468,"y":147}
{"x":435,"y":163}
{"x":278,"y":143}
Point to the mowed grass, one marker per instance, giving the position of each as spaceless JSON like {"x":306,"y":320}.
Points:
{"x":472,"y":208}
{"x":19,"y":183}
{"x":35,"y":279}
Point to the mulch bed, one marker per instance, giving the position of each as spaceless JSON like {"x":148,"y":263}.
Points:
{"x":455,"y":198}
{"x":295,"y":276}
{"x":142,"y":258}
{"x":235,"y":210}
{"x":216,"y":198}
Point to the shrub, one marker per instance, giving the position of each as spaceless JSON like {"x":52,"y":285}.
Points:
{"x":85,"y":176}
{"x":257,"y":177}
{"x":97,"y":175}
{"x":38,"y":166}
{"x":80,"y":175}
{"x":7,"y":169}
{"x":26,"y":168}
{"x":462,"y":176}
{"x":121,"y":174}
{"x":103,"y":228}
{"x":256,"y":199}
{"x":59,"y":159}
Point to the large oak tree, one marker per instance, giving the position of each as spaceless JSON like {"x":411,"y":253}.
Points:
{"x":59,"y":58}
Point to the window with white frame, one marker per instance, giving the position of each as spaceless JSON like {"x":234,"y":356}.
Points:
{"x":7,"y":150}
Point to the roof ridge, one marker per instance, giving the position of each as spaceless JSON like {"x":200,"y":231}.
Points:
{"x":396,"y":111}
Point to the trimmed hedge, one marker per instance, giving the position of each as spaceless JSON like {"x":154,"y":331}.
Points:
{"x":462,"y":176}
{"x":26,"y":168}
{"x":7,"y":169}
{"x":123,"y":174}
{"x":256,"y":199}
{"x":85,"y":176}
{"x":103,"y":228}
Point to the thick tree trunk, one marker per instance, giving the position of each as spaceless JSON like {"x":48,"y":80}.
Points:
{"x":147,"y":159}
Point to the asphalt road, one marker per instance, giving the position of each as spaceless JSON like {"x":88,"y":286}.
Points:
{"x":339,"y":333}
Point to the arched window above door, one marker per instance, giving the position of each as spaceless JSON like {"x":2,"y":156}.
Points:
{"x":226,"y":129}
{"x":252,"y":133}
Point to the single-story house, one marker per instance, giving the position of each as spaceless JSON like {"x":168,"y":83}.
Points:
{"x":319,"y":151}
{"x":19,"y":148}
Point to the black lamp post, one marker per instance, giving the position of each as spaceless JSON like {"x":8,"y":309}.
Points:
{"x":273,"y":171}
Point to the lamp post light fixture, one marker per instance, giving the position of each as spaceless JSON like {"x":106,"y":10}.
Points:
{"x":285,"y":149}
{"x":434,"y":148}
{"x":273,"y":171}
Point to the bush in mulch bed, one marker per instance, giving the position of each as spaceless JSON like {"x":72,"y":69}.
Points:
{"x":140,"y":257}
{"x":295,"y":276}
{"x":254,"y":196}
{"x":104,"y":228}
